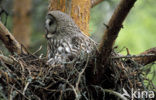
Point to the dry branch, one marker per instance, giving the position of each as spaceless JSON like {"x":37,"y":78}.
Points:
{"x":113,"y":28}
{"x":134,"y":56}
{"x":147,"y":59}
{"x":95,"y":2}
{"x":10,"y":42}
{"x":5,"y":59}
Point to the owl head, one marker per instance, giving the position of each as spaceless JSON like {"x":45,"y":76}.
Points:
{"x":59,"y":24}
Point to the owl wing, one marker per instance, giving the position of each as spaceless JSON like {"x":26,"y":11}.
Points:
{"x":70,"y":48}
{"x":83,"y":44}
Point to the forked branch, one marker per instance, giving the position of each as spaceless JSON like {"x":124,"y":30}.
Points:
{"x":113,"y":28}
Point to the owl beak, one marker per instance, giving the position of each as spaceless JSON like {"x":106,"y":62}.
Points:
{"x":48,"y":35}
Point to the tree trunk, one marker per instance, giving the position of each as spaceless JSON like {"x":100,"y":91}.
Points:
{"x":79,"y":11}
{"x":21,"y":21}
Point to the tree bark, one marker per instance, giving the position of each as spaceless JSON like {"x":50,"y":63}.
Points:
{"x":78,"y":9}
{"x":10,"y":42}
{"x":21,"y":21}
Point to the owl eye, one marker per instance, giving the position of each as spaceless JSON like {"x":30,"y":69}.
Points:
{"x":51,"y":22}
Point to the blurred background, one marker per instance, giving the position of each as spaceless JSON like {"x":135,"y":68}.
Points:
{"x":138,"y":33}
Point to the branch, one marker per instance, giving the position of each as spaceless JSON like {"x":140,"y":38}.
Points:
{"x":6,"y":60}
{"x":113,"y":28}
{"x":134,"y":56}
{"x":147,"y":59}
{"x":119,"y":95}
{"x":95,"y":2}
{"x":10,"y":42}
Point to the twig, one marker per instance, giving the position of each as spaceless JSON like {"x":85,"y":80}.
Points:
{"x":25,"y":88}
{"x":134,"y":56}
{"x":95,"y":2}
{"x":147,"y":59}
{"x":10,"y":96}
{"x":5,"y":66}
{"x":6,"y":60}
{"x":80,"y":75}
{"x":111,"y":92}
{"x":37,"y":50}
{"x":73,"y":88}
{"x":10,"y":42}
{"x":3,"y":96}
{"x":19,"y":91}
{"x":79,"y":79}
{"x":76,"y":94}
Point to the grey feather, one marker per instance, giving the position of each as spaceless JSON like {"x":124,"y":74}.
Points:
{"x":65,"y":39}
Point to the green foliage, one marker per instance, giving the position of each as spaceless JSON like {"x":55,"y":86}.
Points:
{"x":139,"y":29}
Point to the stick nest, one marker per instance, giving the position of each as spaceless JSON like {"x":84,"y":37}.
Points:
{"x":29,"y":77}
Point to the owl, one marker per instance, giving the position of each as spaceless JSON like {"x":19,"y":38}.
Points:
{"x":65,"y":40}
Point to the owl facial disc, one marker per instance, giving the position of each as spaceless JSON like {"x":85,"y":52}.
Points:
{"x":50,"y":26}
